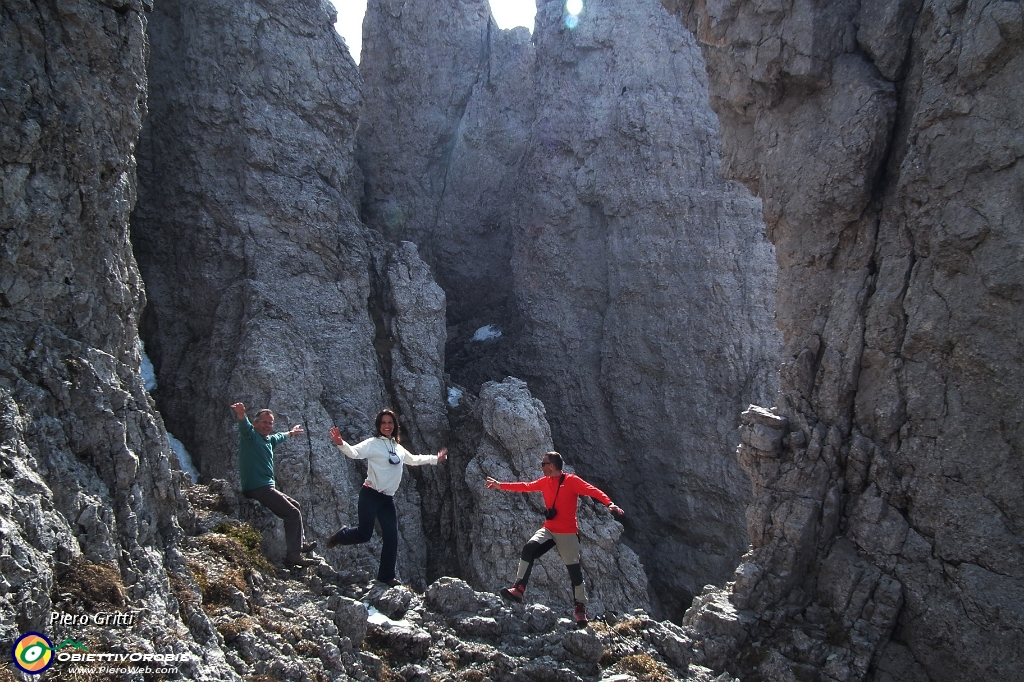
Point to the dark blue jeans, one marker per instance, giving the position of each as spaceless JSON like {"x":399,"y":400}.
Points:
{"x":375,"y":506}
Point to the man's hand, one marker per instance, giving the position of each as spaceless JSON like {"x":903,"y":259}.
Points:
{"x":239,"y":409}
{"x":442,"y":455}
{"x":616,"y":509}
{"x":492,"y":484}
{"x":295,"y":431}
{"x":336,"y":436}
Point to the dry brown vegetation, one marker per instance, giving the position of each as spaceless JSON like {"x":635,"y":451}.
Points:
{"x":308,"y":649}
{"x":250,"y":541}
{"x":229,"y":630}
{"x":92,"y":585}
{"x":645,"y":668}
{"x":628,"y":627}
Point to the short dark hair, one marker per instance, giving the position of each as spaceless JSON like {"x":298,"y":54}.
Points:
{"x":261,"y":413}
{"x":555,"y":459}
{"x":397,"y":433}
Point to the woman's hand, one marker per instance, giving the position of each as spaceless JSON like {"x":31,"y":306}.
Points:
{"x":442,"y":455}
{"x":336,"y":436}
{"x":492,"y":484}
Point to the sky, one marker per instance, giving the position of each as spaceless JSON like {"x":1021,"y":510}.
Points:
{"x":507,"y":14}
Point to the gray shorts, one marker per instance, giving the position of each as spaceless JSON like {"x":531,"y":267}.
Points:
{"x":567,"y":544}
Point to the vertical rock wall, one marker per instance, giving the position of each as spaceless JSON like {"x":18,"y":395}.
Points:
{"x":884,"y":140}
{"x":86,"y":469}
{"x":567,"y":189}
{"x":437,"y":156}
{"x":263,"y":285}
{"x":644,"y":283}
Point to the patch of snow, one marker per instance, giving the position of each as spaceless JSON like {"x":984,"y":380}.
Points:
{"x":454,"y":396}
{"x":488,"y":333}
{"x":149,"y":378}
{"x":380,"y":620}
{"x":148,"y":374}
{"x":183,"y":457}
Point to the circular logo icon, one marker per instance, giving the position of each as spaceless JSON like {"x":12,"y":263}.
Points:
{"x":32,"y":653}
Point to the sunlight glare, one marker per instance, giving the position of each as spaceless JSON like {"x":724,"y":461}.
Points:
{"x":350,"y":24}
{"x":506,"y":13}
{"x":512,"y":13}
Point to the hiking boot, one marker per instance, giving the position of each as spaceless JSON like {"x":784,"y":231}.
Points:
{"x":308,"y":547}
{"x":581,"y":616}
{"x":394,"y":582}
{"x":297,"y":561}
{"x":334,"y":540}
{"x":514,"y":593}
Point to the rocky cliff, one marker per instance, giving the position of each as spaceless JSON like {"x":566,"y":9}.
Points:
{"x":291,"y":301}
{"x":263,"y":284}
{"x":88,"y":480}
{"x":566,"y":189}
{"x":884,"y":140}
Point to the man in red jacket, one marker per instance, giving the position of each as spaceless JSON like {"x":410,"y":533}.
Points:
{"x":561,"y":494}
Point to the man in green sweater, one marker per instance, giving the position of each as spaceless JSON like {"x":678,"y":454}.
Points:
{"x":256,"y":443}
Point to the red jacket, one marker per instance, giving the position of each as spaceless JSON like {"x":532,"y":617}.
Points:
{"x":572,"y":487}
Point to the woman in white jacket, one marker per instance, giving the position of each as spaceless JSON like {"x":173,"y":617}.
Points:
{"x":385,"y":458}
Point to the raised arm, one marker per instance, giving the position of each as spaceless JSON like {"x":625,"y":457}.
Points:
{"x":345,"y":448}
{"x":421,"y":460}
{"x":239,"y":409}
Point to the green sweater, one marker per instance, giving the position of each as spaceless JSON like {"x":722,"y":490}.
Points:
{"x":256,"y":456}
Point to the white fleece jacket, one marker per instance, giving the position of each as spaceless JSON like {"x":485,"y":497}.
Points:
{"x":381,"y":474}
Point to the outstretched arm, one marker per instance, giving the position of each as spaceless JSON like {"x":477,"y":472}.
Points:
{"x":422,"y":460}
{"x":346,"y":449}
{"x":239,"y":409}
{"x":616,"y":509}
{"x":295,"y":431}
{"x":492,"y":484}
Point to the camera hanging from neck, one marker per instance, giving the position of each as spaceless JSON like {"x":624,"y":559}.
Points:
{"x":550,"y":512}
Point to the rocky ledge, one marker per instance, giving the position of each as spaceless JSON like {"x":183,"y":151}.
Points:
{"x":328,"y":623}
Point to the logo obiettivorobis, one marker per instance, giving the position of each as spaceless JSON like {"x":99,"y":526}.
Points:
{"x":32,"y":653}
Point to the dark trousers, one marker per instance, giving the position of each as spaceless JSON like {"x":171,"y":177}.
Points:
{"x":284,"y":508}
{"x":380,"y":507}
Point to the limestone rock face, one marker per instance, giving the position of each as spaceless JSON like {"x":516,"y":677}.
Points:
{"x":494,"y":525}
{"x":263,"y":284}
{"x":445,"y":119}
{"x":87,"y":471}
{"x":644,"y":281}
{"x":883,"y":139}
{"x":572,"y":197}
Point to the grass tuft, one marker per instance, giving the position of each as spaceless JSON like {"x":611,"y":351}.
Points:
{"x":628,"y":627}
{"x":645,"y":668}
{"x":94,"y":585}
{"x":230,"y":630}
{"x":239,"y":536}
